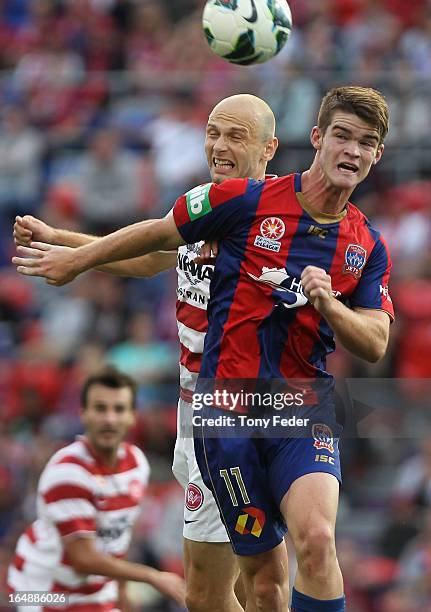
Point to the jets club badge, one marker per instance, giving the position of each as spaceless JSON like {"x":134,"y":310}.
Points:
{"x":355,"y":258}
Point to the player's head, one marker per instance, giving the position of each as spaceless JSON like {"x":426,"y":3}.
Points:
{"x":108,"y":401}
{"x":240,"y":138}
{"x":351,"y":126}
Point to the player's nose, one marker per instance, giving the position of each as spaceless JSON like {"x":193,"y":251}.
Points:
{"x":352,"y":148}
{"x":220,"y":144}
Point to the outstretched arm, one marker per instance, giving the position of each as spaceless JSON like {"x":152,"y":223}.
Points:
{"x":29,"y":229}
{"x":60,"y":265}
{"x":86,"y":559}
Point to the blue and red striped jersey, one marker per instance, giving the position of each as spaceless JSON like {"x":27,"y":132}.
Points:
{"x":260,"y":324}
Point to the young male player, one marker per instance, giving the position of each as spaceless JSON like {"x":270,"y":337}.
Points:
{"x":88,"y":501}
{"x":281,"y":328}
{"x":239,"y":142}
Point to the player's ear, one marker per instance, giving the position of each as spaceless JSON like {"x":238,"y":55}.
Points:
{"x":379,"y":153}
{"x":316,"y":137}
{"x":271,"y":148}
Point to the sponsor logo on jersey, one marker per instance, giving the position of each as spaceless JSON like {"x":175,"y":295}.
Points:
{"x":252,"y":521}
{"x":271,"y":231}
{"x":198,"y":202}
{"x":317,"y":231}
{"x":290,"y":287}
{"x":323,"y":437}
{"x":115,"y":529}
{"x":384,"y":290}
{"x":195,"y":273}
{"x":194,"y":497}
{"x":355,"y":258}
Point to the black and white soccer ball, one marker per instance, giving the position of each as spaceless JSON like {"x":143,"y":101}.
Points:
{"x":247,"y":31}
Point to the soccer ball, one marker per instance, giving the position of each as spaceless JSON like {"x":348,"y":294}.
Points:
{"x":247,"y":31}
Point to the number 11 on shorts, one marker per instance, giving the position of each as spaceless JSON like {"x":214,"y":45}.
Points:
{"x":235,"y":471}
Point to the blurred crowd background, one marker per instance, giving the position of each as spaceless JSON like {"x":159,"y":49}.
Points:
{"x":103,"y":105}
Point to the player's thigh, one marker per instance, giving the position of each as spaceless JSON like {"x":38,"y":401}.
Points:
{"x":235,"y":471}
{"x":210,"y":567}
{"x":310,"y":507}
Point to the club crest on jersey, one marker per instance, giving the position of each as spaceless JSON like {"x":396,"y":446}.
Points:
{"x":194,"y":497}
{"x":355,"y":258}
{"x":136,"y":490}
{"x":323,"y":437}
{"x":271,"y":231}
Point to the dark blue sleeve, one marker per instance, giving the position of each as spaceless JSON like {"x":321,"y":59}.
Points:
{"x":372,"y":290}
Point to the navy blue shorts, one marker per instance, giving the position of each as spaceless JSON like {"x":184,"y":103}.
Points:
{"x":249,"y":477}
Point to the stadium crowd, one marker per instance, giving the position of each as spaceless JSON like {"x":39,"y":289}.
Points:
{"x":103,"y":105}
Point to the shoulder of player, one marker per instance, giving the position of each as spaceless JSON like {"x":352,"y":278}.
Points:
{"x":76,"y":452}
{"x":371,"y":234}
{"x":359,"y":220}
{"x":71,"y":464}
{"x":237,"y":187}
{"x":135,"y":458}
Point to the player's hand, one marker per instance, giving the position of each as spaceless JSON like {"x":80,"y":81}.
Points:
{"x":317,"y":287}
{"x":208,"y":254}
{"x":123,"y":601}
{"x":28,"y":228}
{"x":57,"y":264}
{"x":171,"y":585}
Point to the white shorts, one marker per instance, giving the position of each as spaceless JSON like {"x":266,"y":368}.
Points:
{"x":202,"y":522}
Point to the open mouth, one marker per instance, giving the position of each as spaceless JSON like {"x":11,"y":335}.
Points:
{"x":346,"y":167}
{"x":223,"y":164}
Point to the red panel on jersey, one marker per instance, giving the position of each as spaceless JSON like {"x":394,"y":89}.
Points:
{"x":195,"y":318}
{"x":191,"y":361}
{"x":66,"y":491}
{"x":76,"y":525}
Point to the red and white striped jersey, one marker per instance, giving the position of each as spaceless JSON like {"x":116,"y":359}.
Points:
{"x":192,"y":302}
{"x":80,"y":496}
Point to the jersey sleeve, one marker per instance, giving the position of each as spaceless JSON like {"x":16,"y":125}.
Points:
{"x":213,"y":211}
{"x":68,"y":501}
{"x":373,"y":288}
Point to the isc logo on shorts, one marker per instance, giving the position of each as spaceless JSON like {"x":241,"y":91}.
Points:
{"x":194,"y":497}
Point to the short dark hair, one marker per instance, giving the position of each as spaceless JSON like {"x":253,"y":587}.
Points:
{"x":110,"y":377}
{"x":365,"y":102}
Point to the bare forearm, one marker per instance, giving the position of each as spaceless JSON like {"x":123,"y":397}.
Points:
{"x":361,"y":334}
{"x":147,"y":265}
{"x":130,"y":242}
{"x":63,"y":237}
{"x":111,"y":567}
{"x":144,"y":266}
